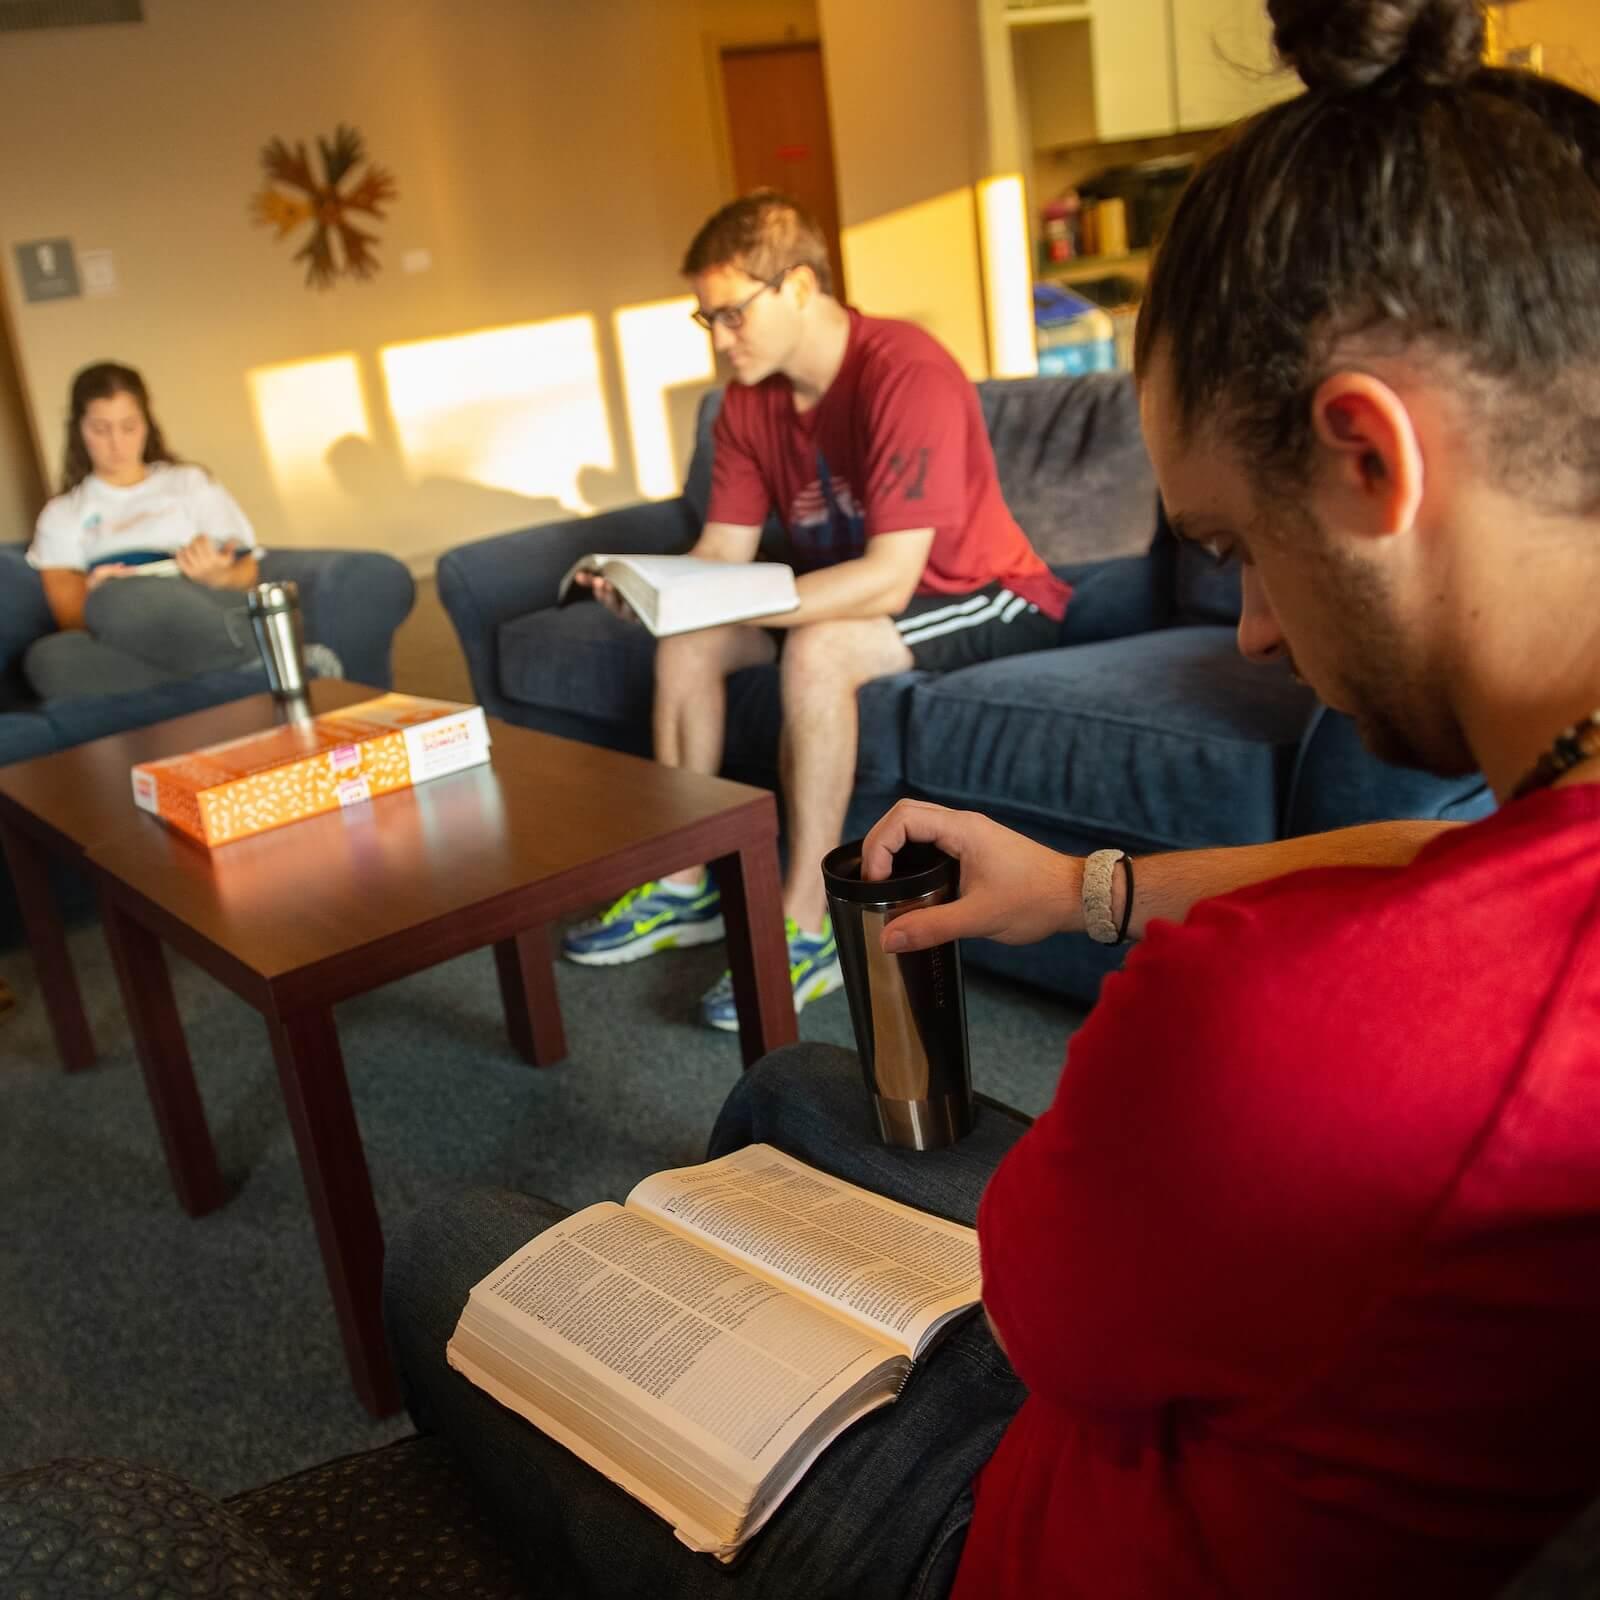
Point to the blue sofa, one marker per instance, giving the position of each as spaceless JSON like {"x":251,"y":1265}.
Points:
{"x":1146,"y":729}
{"x":353,"y":601}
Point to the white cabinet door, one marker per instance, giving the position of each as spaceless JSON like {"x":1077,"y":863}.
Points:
{"x":1225,"y":67}
{"x":1132,"y":49}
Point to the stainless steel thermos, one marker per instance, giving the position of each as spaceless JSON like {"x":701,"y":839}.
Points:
{"x":274,"y":610}
{"x":909,"y":1011}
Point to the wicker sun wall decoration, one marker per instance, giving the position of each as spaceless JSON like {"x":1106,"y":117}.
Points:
{"x":336,"y":247}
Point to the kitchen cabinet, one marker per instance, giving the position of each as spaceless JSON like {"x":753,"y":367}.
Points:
{"x":1133,"y":69}
{"x":1223,"y":63}
{"x":1109,"y":71}
{"x":1099,"y":71}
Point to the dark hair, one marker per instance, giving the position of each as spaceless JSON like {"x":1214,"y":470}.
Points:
{"x":100,"y":382}
{"x":1411,"y":199}
{"x":763,"y":233}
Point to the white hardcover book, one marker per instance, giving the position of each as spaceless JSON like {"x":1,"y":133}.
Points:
{"x":678,"y":594}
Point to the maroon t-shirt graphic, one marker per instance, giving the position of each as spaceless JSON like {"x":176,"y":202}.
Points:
{"x":897,"y":442}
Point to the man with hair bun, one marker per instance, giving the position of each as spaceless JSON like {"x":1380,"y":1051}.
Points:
{"x":1301,"y":1269}
{"x":866,"y":439}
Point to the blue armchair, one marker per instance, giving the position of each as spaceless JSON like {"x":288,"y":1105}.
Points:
{"x":352,"y":600}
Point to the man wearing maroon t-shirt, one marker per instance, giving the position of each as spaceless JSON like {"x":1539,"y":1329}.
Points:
{"x":867,"y":441}
{"x":1294,"y":1288}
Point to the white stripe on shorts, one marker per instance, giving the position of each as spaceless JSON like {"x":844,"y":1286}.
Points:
{"x":916,"y":633}
{"x":924,"y":619}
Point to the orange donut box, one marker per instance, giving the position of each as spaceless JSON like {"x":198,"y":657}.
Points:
{"x":342,"y":758}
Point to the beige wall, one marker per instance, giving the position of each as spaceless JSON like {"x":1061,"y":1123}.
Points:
{"x":1569,"y":31}
{"x":904,"y":90}
{"x":554,"y":158}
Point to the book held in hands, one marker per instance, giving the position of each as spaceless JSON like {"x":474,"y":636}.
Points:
{"x":678,"y":594}
{"x":703,"y":1343}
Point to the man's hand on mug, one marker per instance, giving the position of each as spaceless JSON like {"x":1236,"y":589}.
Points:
{"x":1012,"y":889}
{"x":205,"y":561}
{"x":606,"y":593}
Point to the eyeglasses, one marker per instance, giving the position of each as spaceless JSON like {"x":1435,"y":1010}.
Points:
{"x":732,"y":317}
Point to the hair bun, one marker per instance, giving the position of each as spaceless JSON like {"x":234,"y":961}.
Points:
{"x":1348,"y":44}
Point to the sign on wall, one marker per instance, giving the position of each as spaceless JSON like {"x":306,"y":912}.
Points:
{"x":47,"y":270}
{"x":293,"y":196}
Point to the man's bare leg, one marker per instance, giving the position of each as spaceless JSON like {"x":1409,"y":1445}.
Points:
{"x":824,"y":665}
{"x":690,"y":708}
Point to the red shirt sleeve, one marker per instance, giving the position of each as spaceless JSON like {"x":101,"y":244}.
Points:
{"x":739,"y":493}
{"x":914,"y":465}
{"x":1233,"y":1168}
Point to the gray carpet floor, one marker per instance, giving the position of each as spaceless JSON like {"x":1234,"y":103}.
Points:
{"x":209,"y":1346}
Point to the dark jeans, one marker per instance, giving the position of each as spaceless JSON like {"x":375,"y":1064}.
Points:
{"x":884,"y":1511}
{"x":139,"y":632}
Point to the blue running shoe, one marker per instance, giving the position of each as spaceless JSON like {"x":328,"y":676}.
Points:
{"x":650,"y":918}
{"x":813,"y":970}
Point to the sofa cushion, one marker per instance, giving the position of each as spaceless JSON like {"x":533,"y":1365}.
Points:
{"x":579,"y":665}
{"x":578,"y":658}
{"x":1167,"y":741}
{"x":1072,"y":463}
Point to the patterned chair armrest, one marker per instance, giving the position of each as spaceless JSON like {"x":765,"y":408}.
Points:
{"x":98,"y":1526}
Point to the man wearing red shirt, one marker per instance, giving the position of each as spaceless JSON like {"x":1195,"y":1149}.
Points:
{"x":867,"y":441}
{"x":1300,"y":1271}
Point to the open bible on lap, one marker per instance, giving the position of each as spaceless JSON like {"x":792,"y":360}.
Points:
{"x":701,"y":1344}
{"x":678,"y":594}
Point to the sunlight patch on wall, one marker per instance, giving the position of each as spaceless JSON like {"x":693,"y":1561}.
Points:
{"x":661,"y":349}
{"x":519,"y":408}
{"x":1007,"y":278}
{"x":921,"y":263}
{"x":301,"y":408}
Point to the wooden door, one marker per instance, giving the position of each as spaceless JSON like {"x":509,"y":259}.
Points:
{"x":779,"y":135}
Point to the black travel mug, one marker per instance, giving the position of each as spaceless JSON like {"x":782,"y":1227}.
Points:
{"x":909,"y":1011}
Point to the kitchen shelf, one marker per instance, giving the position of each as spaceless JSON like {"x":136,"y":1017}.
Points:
{"x":1136,"y":263}
{"x":1037,"y":16}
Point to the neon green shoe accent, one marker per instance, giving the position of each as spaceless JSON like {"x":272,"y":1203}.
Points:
{"x":654,"y":916}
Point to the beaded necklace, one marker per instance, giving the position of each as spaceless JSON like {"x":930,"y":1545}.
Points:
{"x":1572,"y":745}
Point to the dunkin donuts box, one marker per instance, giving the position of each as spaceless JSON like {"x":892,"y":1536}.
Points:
{"x":341,"y":758}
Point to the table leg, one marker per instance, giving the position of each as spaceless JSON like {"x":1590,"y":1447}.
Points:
{"x":334,"y":1166}
{"x":528,"y":993}
{"x":47,"y":939}
{"x":758,"y":953}
{"x":164,"y":1059}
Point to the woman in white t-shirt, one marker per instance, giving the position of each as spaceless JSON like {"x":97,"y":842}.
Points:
{"x":126,"y":504}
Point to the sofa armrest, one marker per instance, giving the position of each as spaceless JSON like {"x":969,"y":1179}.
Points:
{"x":490,"y":581}
{"x":353,"y":601}
{"x":24,"y":617}
{"x":1337,"y":783}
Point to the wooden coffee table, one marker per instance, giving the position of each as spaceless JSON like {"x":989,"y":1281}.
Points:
{"x":298,"y":919}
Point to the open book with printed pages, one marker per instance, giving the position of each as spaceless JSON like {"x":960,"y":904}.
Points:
{"x":703,"y":1343}
{"x":677,"y":594}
